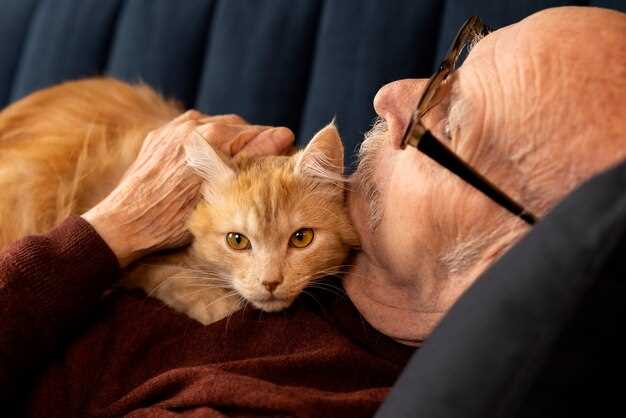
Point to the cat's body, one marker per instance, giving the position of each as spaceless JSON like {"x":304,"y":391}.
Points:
{"x":65,"y":148}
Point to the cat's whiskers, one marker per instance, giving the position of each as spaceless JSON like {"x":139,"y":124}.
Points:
{"x":198,"y":268}
{"x":158,"y":287}
{"x":333,"y":290}
{"x":342,"y":270}
{"x":240,"y":303}
{"x":340,"y":267}
{"x":204,"y":279}
{"x":314,"y":281}
{"x":304,"y":292}
{"x":319,"y":281}
{"x":205,"y":283}
{"x":207,"y":286}
{"x":334,"y":271}
{"x":227,"y":295}
{"x":199,"y":291}
{"x":197,"y":280}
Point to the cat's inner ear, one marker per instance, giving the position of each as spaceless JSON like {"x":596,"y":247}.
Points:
{"x":207,"y":163}
{"x":323,"y":156}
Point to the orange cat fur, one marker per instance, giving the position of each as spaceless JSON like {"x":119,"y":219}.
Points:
{"x":64,"y":148}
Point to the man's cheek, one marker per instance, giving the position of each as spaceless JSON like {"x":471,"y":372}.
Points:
{"x":404,"y":233}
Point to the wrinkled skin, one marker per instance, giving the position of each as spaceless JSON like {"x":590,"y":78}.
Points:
{"x":546,"y":99}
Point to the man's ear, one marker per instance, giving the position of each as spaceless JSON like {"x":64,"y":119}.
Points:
{"x":323,"y":156}
{"x":207,"y":163}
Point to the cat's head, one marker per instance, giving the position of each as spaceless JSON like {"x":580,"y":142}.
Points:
{"x":270,"y":226}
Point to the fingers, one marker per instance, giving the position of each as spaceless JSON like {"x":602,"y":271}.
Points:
{"x":228,"y":138}
{"x":274,"y":141}
{"x":188,"y":116}
{"x":197,"y":116}
{"x":233,"y":136}
{"x":226,"y":119}
{"x":232,"y":139}
{"x":201,"y":118}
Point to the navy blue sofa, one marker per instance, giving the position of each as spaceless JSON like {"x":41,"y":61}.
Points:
{"x":299,"y":63}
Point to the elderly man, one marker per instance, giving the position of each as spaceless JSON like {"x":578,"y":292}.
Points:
{"x":537,"y":108}
{"x":534,"y":111}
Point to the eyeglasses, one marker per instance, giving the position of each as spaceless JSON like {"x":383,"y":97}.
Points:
{"x":422,"y":139}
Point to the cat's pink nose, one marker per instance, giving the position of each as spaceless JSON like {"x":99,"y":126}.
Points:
{"x":270,"y":286}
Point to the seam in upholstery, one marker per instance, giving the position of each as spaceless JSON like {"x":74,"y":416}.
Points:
{"x":105,"y":65}
{"x":312,"y":61}
{"x":309,"y":73}
{"x":20,"y":59}
{"x":207,"y":35}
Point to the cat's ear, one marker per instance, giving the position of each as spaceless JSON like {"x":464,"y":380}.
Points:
{"x":323,"y":156}
{"x":207,"y":162}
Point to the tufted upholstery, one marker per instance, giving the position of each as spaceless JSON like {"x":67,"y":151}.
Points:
{"x":288,"y":62}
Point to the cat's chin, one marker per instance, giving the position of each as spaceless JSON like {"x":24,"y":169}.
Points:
{"x":272,"y":305}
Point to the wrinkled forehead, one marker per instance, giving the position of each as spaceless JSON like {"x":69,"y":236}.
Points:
{"x":479,"y":74}
{"x":502,"y":43}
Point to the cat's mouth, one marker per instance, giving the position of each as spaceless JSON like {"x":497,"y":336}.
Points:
{"x":271,"y":304}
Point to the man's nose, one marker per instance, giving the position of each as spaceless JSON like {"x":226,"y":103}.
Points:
{"x":395,"y":102}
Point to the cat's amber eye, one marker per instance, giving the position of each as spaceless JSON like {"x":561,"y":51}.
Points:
{"x":301,"y":238}
{"x":237,"y":241}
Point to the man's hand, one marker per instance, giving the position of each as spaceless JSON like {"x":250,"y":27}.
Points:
{"x":148,"y":210}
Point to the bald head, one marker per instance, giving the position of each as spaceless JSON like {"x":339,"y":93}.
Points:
{"x":549,"y":96}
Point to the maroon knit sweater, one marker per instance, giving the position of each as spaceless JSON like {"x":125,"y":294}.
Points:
{"x":68,"y":351}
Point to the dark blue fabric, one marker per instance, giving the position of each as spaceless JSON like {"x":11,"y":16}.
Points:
{"x":610,"y":4}
{"x":540,"y":334}
{"x":162,"y":43}
{"x":67,"y":39}
{"x":258,"y":60}
{"x":14,"y":25}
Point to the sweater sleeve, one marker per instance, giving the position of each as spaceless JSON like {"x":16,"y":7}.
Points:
{"x":49,"y":286}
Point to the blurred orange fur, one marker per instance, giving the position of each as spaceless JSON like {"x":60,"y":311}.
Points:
{"x":63,"y":149}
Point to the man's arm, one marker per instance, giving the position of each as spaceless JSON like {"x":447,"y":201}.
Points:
{"x":49,"y":287}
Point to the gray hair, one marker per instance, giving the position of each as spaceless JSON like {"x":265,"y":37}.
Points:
{"x":364,"y":176}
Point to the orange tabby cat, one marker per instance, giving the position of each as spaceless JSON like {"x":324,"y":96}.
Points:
{"x":264,"y":229}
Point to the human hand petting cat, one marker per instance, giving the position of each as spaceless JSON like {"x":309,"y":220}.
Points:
{"x":149,"y":208}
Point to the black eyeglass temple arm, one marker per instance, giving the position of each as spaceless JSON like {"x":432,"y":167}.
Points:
{"x":438,"y":152}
